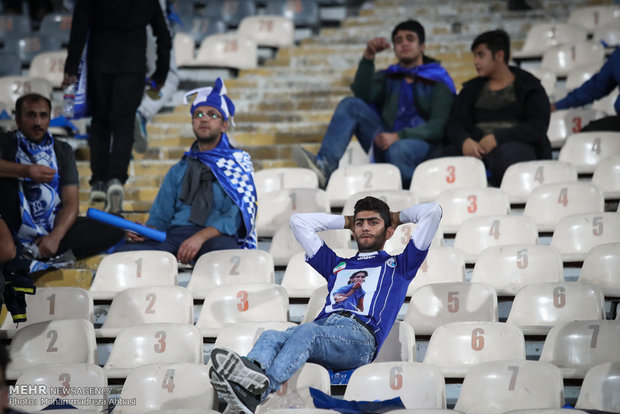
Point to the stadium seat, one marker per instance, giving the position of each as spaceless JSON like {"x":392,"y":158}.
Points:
{"x":57,"y":25}
{"x":304,"y":13}
{"x":275,"y":208}
{"x":543,"y":36}
{"x":241,"y":337}
{"x":120,"y":271}
{"x":14,"y":26}
{"x":248,"y":302}
{"x":550,"y":203}
{"x":344,"y":182}
{"x":353,"y":155}
{"x":70,"y":379}
{"x":222,"y":267}
{"x":57,"y":341}
{"x":155,"y":343}
{"x":443,"y":264}
{"x":27,"y":47}
{"x":577,"y":346}
{"x":269,"y":31}
{"x":479,"y":233}
{"x":432,"y":177}
{"x":606,"y":103}
{"x":396,"y":244}
{"x":458,"y":346}
{"x":302,"y":411}
{"x":396,"y":199}
{"x":425,"y":411}
{"x":607,"y":176}
{"x":539,"y":307}
{"x":600,"y":389}
{"x":147,"y":304}
{"x":399,"y":344}
{"x":509,"y":268}
{"x":50,"y":66}
{"x":601,"y":267}
{"x":10,"y":64}
{"x":184,"y":47}
{"x":547,"y":78}
{"x":275,"y":179}
{"x":578,"y":76}
{"x":545,"y":411}
{"x":12,"y":87}
{"x":232,"y":12}
{"x":596,"y":16}
{"x":418,"y":385}
{"x":586,"y":149}
{"x":522,"y":178}
{"x":315,"y":304}
{"x":227,"y":50}
{"x":565,"y":122}
{"x":561,"y":60}
{"x":497,"y":387}
{"x":461,"y":204}
{"x":199,"y":28}
{"x":608,"y":34}
{"x":576,"y":235}
{"x":437,"y":304}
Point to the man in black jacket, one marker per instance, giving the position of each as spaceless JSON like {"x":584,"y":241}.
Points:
{"x":116,"y":61}
{"x":502,"y":116}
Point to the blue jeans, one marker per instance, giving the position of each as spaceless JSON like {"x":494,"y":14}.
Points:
{"x":335,"y":342}
{"x":354,"y":116}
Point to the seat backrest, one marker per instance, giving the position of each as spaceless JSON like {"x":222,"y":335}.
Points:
{"x":14,"y":26}
{"x":12,"y":87}
{"x":57,"y":24}
{"x":315,"y":304}
{"x":600,"y":389}
{"x":461,"y":204}
{"x":577,"y":346}
{"x":547,"y":78}
{"x":241,"y":337}
{"x":9,"y":66}
{"x":543,"y":36}
{"x":601,"y":267}
{"x":402,"y":235}
{"x":32,"y":44}
{"x":606,"y":103}
{"x":274,"y":179}
{"x":564,"y":58}
{"x":344,"y":182}
{"x":305,"y":13}
{"x":508,"y":268}
{"x":55,"y":341}
{"x":353,"y":155}
{"x":550,"y":203}
{"x":418,"y":385}
{"x":231,"y":11}
{"x":396,"y":199}
{"x":50,"y":66}
{"x":494,"y":387}
{"x":538,"y":307}
{"x":608,"y":33}
{"x":184,"y":49}
{"x":119,"y":271}
{"x":232,"y":266}
{"x":565,"y":122}
{"x":71,"y":379}
{"x":522,"y":178}
{"x":579,"y":75}
{"x":227,"y":50}
{"x":594,"y":16}
{"x":432,"y":177}
{"x":607,"y":176}
{"x":200,"y":27}
{"x":178,"y":386}
{"x":576,"y":235}
{"x":271,"y":31}
{"x":436,"y":304}
{"x":586,"y":149}
{"x":399,"y":344}
{"x":458,"y":346}
{"x":442,"y":264}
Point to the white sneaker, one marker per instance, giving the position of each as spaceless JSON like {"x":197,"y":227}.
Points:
{"x":115,"y":196}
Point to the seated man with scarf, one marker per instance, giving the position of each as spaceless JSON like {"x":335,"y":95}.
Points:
{"x":400,"y":113}
{"x":207,"y":200}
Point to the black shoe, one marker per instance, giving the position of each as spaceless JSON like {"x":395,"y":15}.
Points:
{"x":239,"y":370}
{"x":140,"y":143}
{"x":239,"y":399}
{"x":97,"y":191}
{"x":306,"y":159}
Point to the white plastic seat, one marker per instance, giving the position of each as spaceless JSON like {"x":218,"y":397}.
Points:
{"x":608,"y":33}
{"x":479,"y":233}
{"x":315,"y":304}
{"x":437,"y":304}
{"x":458,"y":346}
{"x":248,"y":302}
{"x":49,"y":66}
{"x":443,"y":264}
{"x":522,"y":178}
{"x":396,"y":199}
{"x":57,"y":341}
{"x":344,"y":182}
{"x":508,"y":268}
{"x":418,"y":385}
{"x":272,"y":31}
{"x":274,"y":179}
{"x":577,"y":346}
{"x":547,"y":79}
{"x":576,"y":235}
{"x":565,"y":122}
{"x":222,"y":267}
{"x":353,"y":155}
{"x":425,"y":411}
{"x":607,"y":176}
{"x":545,"y":411}
{"x":276,"y":207}
{"x":606,"y":103}
{"x":538,"y":307}
{"x":600,"y":389}
{"x":399,"y":344}
{"x":586,"y":149}
{"x":461,"y":204}
{"x":601,"y":267}
{"x":579,"y":75}
{"x":494,"y":387}
{"x":550,"y":203}
{"x":228,"y":50}
{"x":147,"y":304}
{"x":155,"y":343}
{"x":432,"y":177}
{"x":184,"y":48}
{"x":71,"y":380}
{"x":543,"y":36}
{"x":562,"y":59}
{"x":120,"y":271}
{"x":12,"y":87}
{"x":241,"y":337}
{"x":399,"y":240}
{"x":594,"y":16}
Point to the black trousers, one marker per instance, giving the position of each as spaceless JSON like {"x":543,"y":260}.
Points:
{"x":88,"y":237}
{"x":609,"y":123}
{"x":114,"y":100}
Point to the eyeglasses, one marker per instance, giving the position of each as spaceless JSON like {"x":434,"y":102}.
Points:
{"x":209,"y":115}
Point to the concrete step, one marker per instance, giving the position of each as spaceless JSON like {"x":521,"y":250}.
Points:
{"x":131,"y":193}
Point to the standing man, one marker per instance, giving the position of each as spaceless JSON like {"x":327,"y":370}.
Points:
{"x":116,"y":62}
{"x":400,"y":113}
{"x":337,"y":339}
{"x":502,"y":116}
{"x":208,"y":199}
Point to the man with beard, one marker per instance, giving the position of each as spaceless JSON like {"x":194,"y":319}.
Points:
{"x":337,"y":339}
{"x":207,"y":200}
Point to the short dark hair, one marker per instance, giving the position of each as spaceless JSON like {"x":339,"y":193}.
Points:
{"x":32,"y":97}
{"x":495,"y":40}
{"x":365,"y":273}
{"x":370,"y":203}
{"x":411,"y":26}
{"x":5,"y":358}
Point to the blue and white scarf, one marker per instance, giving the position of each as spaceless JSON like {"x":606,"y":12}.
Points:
{"x":233,"y":170}
{"x":39,"y":202}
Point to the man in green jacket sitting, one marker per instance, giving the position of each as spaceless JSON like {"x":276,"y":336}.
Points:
{"x":400,"y":113}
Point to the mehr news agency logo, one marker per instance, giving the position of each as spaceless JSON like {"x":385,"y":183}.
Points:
{"x":41,"y":394}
